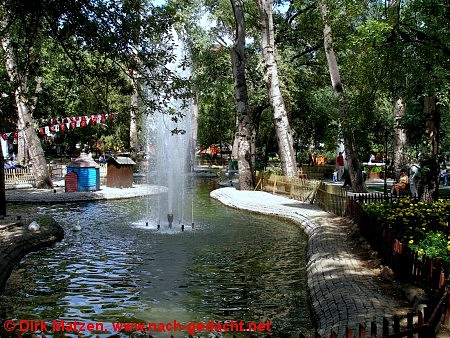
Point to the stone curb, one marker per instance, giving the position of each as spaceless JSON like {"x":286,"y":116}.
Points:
{"x":21,"y":241}
{"x":58,"y":195}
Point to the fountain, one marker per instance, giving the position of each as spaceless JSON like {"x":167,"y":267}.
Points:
{"x":169,"y":145}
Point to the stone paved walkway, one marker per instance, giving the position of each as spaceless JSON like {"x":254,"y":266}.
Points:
{"x":342,"y":289}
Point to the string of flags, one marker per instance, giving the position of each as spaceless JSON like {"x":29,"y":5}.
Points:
{"x":61,"y":124}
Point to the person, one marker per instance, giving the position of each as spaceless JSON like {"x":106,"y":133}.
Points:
{"x":444,"y":173}
{"x":347,"y":180}
{"x":310,"y":158}
{"x":10,"y":164}
{"x":102,"y":159}
{"x":372,"y":158}
{"x":335,"y":176}
{"x":401,"y":184}
{"x":414,"y":176}
{"x":340,"y":165}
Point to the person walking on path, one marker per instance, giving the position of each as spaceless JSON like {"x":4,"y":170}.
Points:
{"x":340,"y":165}
{"x":414,"y":177}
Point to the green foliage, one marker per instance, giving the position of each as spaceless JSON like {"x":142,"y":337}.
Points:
{"x":373,"y":168}
{"x":83,"y":52}
{"x":84,"y":49}
{"x":423,"y":227}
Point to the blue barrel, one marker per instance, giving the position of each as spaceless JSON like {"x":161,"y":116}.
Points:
{"x":88,"y":178}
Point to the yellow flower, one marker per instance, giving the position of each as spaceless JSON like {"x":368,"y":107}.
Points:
{"x":411,"y":241}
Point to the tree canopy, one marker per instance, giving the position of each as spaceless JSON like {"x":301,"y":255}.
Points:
{"x":81,"y":54}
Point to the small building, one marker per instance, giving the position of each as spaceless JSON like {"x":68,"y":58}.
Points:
{"x":119,"y":172}
{"x":71,"y":182}
{"x":88,"y":172}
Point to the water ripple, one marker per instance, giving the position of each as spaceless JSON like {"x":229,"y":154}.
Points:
{"x":231,"y":266}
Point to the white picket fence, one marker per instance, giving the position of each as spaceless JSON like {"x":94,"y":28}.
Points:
{"x":19,"y":176}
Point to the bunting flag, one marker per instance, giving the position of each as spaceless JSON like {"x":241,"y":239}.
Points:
{"x":88,"y":119}
{"x":62,"y":124}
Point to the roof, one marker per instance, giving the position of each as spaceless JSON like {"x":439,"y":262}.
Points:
{"x":121,"y":160}
{"x":84,"y":161}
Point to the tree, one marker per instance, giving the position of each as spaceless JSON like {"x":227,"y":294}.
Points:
{"x":400,"y":141}
{"x":243,"y":134}
{"x":24,"y":85}
{"x":98,"y":38}
{"x":134,"y":107}
{"x":281,"y":122}
{"x":354,"y":166}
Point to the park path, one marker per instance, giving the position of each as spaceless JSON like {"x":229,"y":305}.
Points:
{"x":344,"y":290}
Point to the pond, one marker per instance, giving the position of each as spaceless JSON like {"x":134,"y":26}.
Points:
{"x":233,"y":266}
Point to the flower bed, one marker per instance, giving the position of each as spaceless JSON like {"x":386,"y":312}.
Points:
{"x":423,"y":227}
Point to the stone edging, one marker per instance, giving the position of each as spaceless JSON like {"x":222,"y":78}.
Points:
{"x":341,"y":289}
{"x":19,"y":241}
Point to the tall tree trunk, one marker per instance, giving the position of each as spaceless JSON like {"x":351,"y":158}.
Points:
{"x":282,"y":127}
{"x":134,"y":145}
{"x":24,"y":109}
{"x":22,"y":149}
{"x":240,"y":88}
{"x":194,"y":119}
{"x":400,"y":159}
{"x":351,"y":156}
{"x":430,"y":179}
{"x":194,"y":128}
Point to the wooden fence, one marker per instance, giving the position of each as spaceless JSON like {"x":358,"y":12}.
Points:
{"x":426,"y":326}
{"x":317,"y":172}
{"x":19,"y":176}
{"x":331,"y":198}
{"x":14,"y":177}
{"x":424,"y":272}
{"x":297,"y":188}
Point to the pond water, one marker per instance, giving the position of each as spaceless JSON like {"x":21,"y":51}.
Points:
{"x":233,"y":265}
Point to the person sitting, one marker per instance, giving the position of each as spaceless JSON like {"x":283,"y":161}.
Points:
{"x":10,"y":164}
{"x":102,"y":159}
{"x":401,"y":184}
{"x":444,"y":173}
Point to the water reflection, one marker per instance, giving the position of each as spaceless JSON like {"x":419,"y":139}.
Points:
{"x":232,"y":266}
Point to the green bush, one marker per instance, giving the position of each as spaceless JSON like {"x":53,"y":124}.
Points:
{"x":373,"y":168}
{"x":422,"y":227}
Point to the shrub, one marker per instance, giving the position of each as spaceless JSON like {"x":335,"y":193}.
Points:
{"x":422,"y":227}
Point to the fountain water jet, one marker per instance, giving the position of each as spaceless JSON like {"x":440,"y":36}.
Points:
{"x":170,"y":149}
